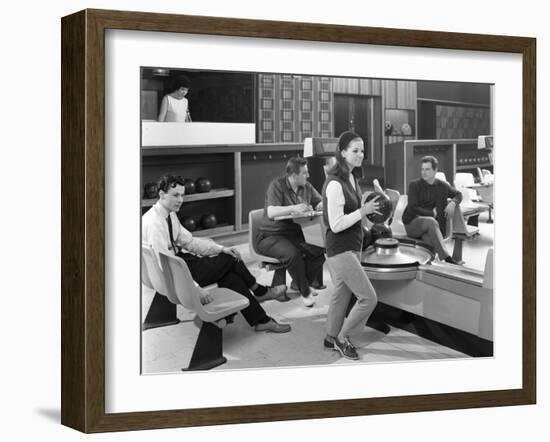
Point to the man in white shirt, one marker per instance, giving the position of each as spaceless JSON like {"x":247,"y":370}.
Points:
{"x":208,"y":262}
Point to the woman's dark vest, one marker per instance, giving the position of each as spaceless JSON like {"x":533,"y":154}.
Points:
{"x":352,"y":237}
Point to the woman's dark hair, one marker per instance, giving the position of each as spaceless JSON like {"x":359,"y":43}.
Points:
{"x":294,"y":165}
{"x":167,"y":182}
{"x":180,"y":81}
{"x":340,"y":168}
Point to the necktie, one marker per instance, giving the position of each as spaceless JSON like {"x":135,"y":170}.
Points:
{"x":174,"y":248}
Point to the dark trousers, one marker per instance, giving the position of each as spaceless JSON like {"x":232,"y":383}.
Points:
{"x":230,"y":273}
{"x":304,"y":261}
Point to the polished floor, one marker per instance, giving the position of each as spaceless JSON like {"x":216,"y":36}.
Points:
{"x":167,"y":349}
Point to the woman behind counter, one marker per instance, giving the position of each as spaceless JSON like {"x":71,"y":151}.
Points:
{"x":174,"y":106}
{"x":342,"y":214}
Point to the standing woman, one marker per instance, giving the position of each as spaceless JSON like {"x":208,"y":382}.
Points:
{"x":343,"y":213}
{"x":174,"y":106}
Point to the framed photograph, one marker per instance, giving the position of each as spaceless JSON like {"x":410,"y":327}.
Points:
{"x":197,"y":119}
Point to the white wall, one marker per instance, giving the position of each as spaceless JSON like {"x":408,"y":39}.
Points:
{"x":30,"y":173}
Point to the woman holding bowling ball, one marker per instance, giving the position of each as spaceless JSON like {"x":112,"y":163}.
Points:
{"x":343,"y":213}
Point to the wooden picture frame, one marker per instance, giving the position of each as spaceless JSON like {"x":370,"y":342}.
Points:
{"x":83,"y":220}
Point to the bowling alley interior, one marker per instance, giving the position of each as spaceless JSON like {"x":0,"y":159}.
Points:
{"x":238,"y":131}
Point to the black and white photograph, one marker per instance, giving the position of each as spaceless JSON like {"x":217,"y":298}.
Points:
{"x":244,"y":221}
{"x":292,"y":220}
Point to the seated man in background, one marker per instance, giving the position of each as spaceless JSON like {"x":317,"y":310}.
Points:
{"x":284,"y":239}
{"x":428,"y":208}
{"x":208,"y":262}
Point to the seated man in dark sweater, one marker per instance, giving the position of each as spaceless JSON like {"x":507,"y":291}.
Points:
{"x":429,"y":207}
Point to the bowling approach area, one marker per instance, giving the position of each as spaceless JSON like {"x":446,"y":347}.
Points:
{"x":167,"y":349}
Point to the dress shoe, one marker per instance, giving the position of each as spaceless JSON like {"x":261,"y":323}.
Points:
{"x":318,"y":286}
{"x":276,"y":292}
{"x":272,"y":326}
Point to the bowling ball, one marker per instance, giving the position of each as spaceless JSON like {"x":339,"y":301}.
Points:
{"x":209,"y":221}
{"x":189,"y":185}
{"x":150,"y":191}
{"x":380,"y":230}
{"x":384,"y":207}
{"x":203,"y":185}
{"x":188,"y":223}
{"x":367,"y":238}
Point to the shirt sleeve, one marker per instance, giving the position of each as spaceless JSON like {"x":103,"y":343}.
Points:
{"x":198,"y":246}
{"x":274,"y":195}
{"x":412,"y":202}
{"x":155,"y":238}
{"x":338,"y":221}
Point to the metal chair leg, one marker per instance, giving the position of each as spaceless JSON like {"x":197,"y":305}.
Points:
{"x":279,"y":277}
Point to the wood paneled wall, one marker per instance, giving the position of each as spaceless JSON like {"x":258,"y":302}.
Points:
{"x":357,"y":86}
{"x":291,"y":108}
{"x":398,"y":94}
{"x":395,"y":94}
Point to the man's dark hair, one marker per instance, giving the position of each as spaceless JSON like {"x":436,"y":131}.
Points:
{"x":167,"y":182}
{"x":430,"y":159}
{"x":294,"y":165}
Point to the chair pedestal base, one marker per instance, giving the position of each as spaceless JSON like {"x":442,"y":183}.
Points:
{"x":208,"y":351}
{"x":457,"y":249}
{"x":161,"y":313}
{"x":279,"y":277}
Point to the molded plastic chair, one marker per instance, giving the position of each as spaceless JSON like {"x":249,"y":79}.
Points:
{"x":254,"y":220}
{"x":178,"y":277}
{"x":152,"y":269}
{"x":441,"y":176}
{"x":145,"y":278}
{"x":470,"y":200}
{"x":162,"y":311}
{"x":208,"y":349}
{"x":394,"y":197}
{"x":397,"y":226}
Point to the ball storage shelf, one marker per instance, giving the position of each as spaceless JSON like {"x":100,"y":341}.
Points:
{"x":214,"y":193}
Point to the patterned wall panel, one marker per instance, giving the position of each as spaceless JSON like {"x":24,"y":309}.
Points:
{"x":293,"y":107}
{"x":267,"y":108}
{"x":461,"y":121}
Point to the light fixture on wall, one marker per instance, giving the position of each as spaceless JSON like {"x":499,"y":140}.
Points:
{"x":161,"y":72}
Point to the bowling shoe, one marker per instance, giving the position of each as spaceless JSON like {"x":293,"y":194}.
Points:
{"x":308,"y":300}
{"x":294,"y":287}
{"x":345,"y":348}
